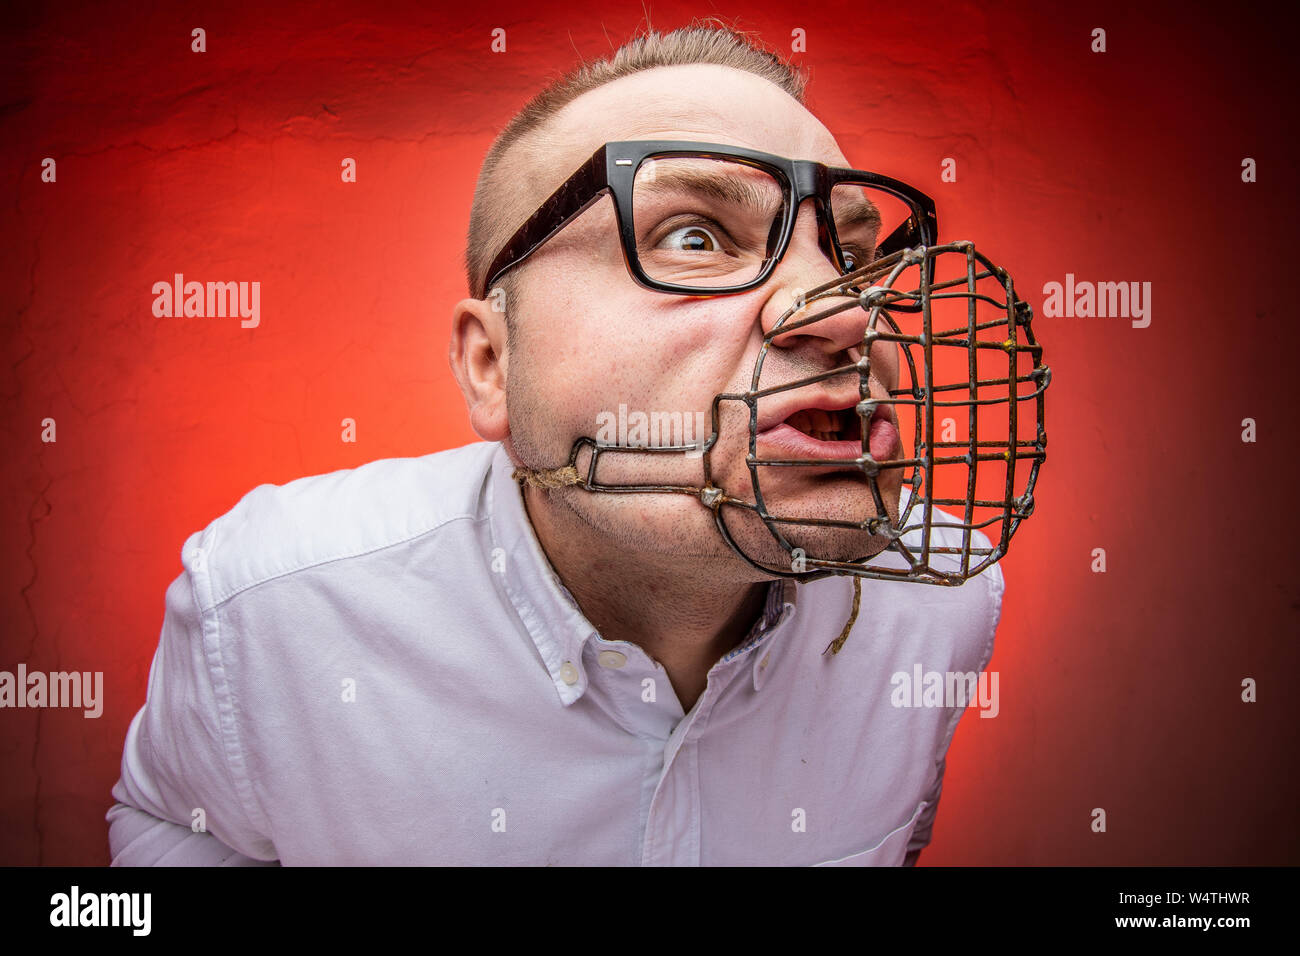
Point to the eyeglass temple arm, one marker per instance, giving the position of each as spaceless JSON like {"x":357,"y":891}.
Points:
{"x":568,"y":202}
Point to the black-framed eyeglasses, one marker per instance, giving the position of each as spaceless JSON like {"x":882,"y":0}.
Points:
{"x":709,"y":219}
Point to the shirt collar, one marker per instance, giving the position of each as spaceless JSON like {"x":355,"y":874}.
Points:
{"x":780,"y":595}
{"x":549,"y":613}
{"x":782,"y":600}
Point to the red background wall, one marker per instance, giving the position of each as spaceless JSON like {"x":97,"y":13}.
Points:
{"x":1118,"y":690}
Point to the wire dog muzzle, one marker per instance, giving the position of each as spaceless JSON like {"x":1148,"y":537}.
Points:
{"x":971,"y":387}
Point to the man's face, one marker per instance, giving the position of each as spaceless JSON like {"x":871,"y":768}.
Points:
{"x":589,"y":339}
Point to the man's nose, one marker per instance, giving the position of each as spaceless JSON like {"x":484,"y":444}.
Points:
{"x":806,"y":265}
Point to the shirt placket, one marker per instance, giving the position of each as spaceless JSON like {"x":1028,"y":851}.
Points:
{"x":672,"y":831}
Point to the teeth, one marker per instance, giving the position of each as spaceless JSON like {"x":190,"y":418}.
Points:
{"x":816,"y":422}
{"x":824,"y":425}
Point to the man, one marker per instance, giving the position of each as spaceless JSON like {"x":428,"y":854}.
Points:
{"x":461,"y":659}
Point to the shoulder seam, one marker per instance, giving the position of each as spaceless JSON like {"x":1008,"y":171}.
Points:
{"x":217,"y":601}
{"x":227,"y":710}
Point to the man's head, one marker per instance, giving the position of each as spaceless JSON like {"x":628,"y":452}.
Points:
{"x":502,"y":200}
{"x":580,"y":342}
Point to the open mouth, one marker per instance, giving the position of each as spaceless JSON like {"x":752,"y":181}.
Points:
{"x":830,"y":434}
{"x":827,"y":425}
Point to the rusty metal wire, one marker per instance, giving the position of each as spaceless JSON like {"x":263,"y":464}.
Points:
{"x":902,"y":304}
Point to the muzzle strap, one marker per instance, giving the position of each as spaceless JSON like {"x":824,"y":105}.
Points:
{"x":547,"y":477}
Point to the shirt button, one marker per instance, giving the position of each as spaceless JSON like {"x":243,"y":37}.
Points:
{"x":569,"y":673}
{"x":611,"y":659}
{"x":763,"y":665}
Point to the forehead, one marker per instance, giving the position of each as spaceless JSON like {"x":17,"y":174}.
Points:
{"x":703,"y":102}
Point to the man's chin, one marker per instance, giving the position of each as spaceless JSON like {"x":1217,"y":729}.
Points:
{"x":844,"y":498}
{"x":820,"y":546}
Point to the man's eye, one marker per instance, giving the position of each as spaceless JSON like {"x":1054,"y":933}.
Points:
{"x":851,"y":259}
{"x":691,"y":239}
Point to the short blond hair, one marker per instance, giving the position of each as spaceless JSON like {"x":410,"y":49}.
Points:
{"x":708,"y":42}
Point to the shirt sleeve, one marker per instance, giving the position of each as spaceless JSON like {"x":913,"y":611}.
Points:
{"x":181,"y":759}
{"x":138,"y":839}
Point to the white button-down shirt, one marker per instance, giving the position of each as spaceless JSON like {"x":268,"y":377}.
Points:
{"x":379,"y":666}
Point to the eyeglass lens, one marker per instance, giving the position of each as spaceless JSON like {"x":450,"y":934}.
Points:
{"x":710,"y":222}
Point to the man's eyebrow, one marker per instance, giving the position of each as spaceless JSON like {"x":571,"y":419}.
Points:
{"x":856,"y":211}
{"x":729,"y":188}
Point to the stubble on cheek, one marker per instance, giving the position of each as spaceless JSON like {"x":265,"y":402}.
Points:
{"x":672,"y":524}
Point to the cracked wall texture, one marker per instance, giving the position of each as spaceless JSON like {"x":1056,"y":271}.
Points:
{"x":1118,"y":690}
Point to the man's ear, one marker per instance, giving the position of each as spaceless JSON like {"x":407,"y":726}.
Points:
{"x":478,"y":360}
